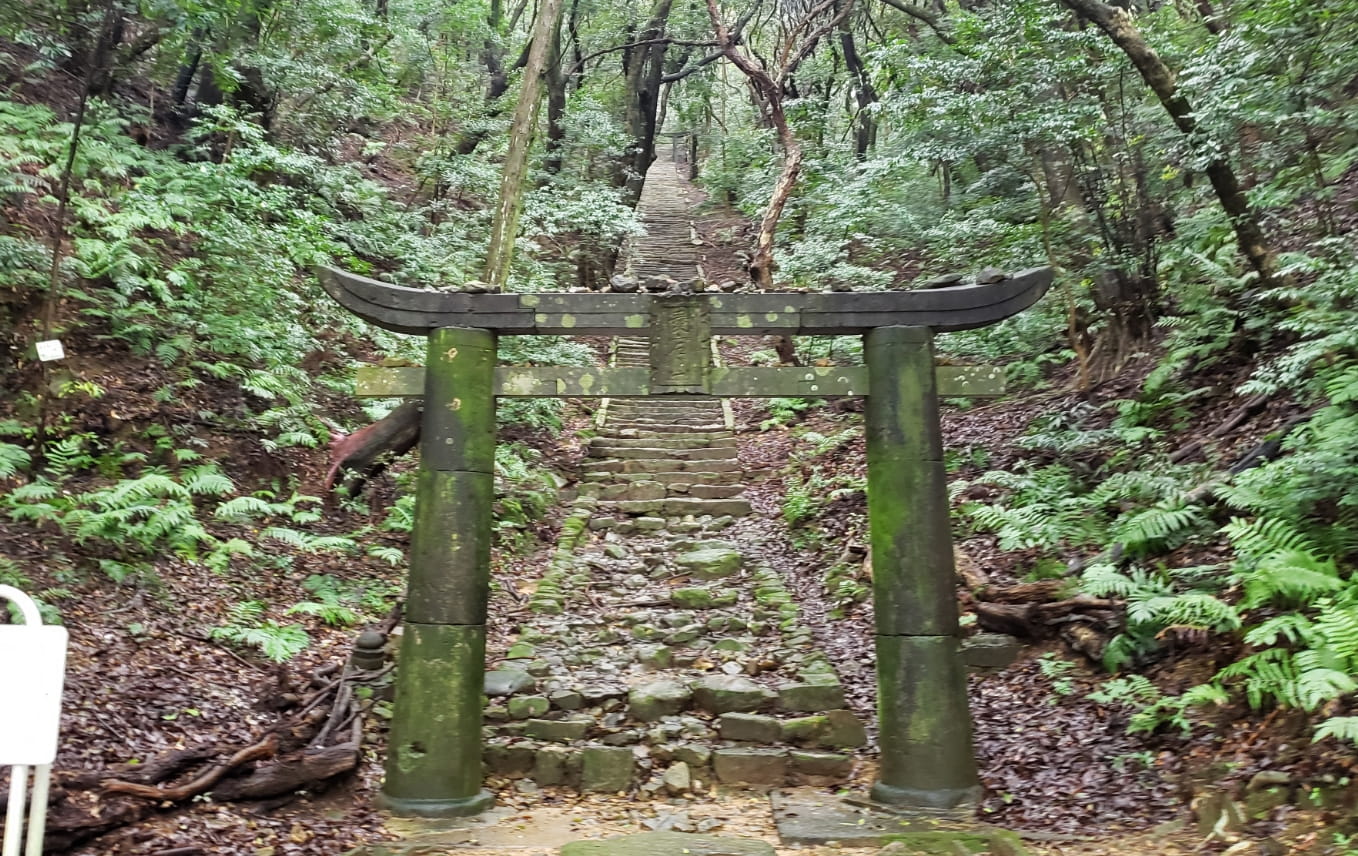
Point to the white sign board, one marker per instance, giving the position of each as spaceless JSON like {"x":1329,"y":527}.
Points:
{"x":51,"y":350}
{"x":32,"y":671}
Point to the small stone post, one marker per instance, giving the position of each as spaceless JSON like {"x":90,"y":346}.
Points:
{"x":434,"y":763}
{"x":926,"y":750}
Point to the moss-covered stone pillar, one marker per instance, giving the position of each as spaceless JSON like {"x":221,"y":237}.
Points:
{"x":925,"y":725}
{"x":434,"y":762}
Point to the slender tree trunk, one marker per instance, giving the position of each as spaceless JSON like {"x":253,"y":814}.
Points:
{"x":865,"y":125}
{"x":1117,"y":24}
{"x":505,"y":226}
{"x":643,"y":68}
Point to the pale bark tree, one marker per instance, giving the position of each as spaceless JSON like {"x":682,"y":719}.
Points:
{"x":768,"y":83}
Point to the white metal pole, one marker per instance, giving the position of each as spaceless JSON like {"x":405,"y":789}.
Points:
{"x":37,"y":809}
{"x":14,"y":816}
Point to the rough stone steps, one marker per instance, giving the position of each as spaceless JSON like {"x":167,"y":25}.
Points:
{"x":679,"y":441}
{"x":714,"y":479}
{"x":658,"y":453}
{"x":655,"y":655}
{"x":663,"y":465}
{"x":679,"y":506}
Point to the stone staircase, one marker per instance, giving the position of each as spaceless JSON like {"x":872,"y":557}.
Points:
{"x":662,"y":457}
{"x":660,"y":653}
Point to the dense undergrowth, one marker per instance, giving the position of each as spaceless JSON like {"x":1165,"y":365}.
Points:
{"x":208,"y":371}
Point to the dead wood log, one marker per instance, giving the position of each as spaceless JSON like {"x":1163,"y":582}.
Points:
{"x":1036,"y":620}
{"x":1233,"y":421}
{"x":366,"y":452}
{"x":289,"y":774}
{"x":263,"y":749}
{"x":159,"y":769}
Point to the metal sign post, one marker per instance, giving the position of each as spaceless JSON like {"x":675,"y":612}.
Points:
{"x":32,"y":671}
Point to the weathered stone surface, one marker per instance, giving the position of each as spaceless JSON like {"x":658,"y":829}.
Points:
{"x":716,"y":491}
{"x":835,"y":729}
{"x":712,"y":563}
{"x":749,"y":728}
{"x":557,"y":730}
{"x":606,"y":768}
{"x":812,"y":695}
{"x":730,"y":694}
{"x":990,"y":651}
{"x":805,"y":816}
{"x":821,"y":764}
{"x":528,"y":707}
{"x":750,"y":766}
{"x":509,"y":761}
{"x":566,"y":700}
{"x":693,"y":598}
{"x":555,"y":765}
{"x":695,"y":755}
{"x":669,"y":844}
{"x":651,"y":701}
{"x":649,"y":524}
{"x":655,"y":656}
{"x":503,"y":682}
{"x":678,"y":779}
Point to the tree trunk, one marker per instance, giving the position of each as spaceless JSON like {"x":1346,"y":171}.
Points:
{"x":1117,"y":24}
{"x":505,"y":226}
{"x":643,"y":70}
{"x":865,"y":125}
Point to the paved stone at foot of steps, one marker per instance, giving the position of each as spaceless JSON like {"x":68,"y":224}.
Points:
{"x":669,"y":844}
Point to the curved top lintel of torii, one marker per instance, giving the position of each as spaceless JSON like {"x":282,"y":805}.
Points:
{"x":417,"y":311}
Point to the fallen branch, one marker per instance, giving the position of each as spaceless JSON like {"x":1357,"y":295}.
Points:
{"x":263,"y":749}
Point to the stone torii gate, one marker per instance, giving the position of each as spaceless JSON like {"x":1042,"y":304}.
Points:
{"x":434,"y":762}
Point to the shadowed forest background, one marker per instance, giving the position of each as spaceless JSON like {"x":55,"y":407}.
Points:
{"x":1165,"y":507}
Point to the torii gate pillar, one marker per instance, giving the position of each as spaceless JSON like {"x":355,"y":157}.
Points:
{"x":434,"y":761}
{"x":925,"y":726}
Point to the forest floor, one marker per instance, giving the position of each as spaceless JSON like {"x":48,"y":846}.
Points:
{"x":145,"y":678}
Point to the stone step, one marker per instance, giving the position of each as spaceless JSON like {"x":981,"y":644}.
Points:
{"x":723,"y":479}
{"x":655,"y":452}
{"x":678,"y":442}
{"x":614,"y":432}
{"x":634,"y":465}
{"x":651,"y":489}
{"x":679,"y":506}
{"x":663,"y":404}
{"x":647,"y":423}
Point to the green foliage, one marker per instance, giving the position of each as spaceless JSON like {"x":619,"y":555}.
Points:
{"x":247,"y":627}
{"x":785,"y":411}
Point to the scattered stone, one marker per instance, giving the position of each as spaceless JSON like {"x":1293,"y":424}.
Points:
{"x":528,"y":707}
{"x":986,"y":651}
{"x":816,"y":693}
{"x":503,"y":682}
{"x":606,"y":769}
{"x":566,"y":700}
{"x":669,"y":844}
{"x":597,"y":694}
{"x":694,"y":754}
{"x":598,"y":523}
{"x":734,"y":645}
{"x":655,"y":656}
{"x":749,"y":728}
{"x":730,"y":694}
{"x":693,"y":598}
{"x":684,"y":635}
{"x":677,"y":779}
{"x":750,"y":766}
{"x":990,"y":274}
{"x":713,"y":563}
{"x":649,"y":524}
{"x":615,"y":551}
{"x":521,"y":651}
{"x":557,"y":730}
{"x":652,"y":701}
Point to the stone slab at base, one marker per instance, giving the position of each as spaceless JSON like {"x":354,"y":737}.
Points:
{"x":806,"y":816}
{"x":465,"y":807}
{"x":669,"y":844}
